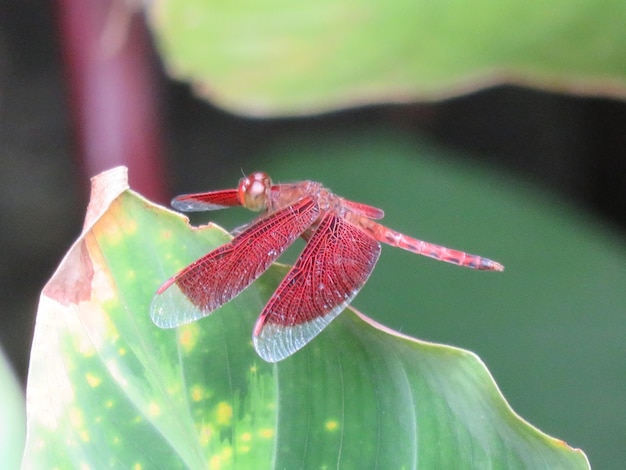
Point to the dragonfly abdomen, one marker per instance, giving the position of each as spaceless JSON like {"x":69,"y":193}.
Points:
{"x":441,"y":253}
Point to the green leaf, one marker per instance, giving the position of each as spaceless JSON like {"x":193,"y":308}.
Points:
{"x":108,"y":388}
{"x":550,"y":328}
{"x":280,"y":57}
{"x":13,"y":423}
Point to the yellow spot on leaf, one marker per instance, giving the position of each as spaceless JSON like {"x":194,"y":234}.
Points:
{"x":266,"y":433}
{"x":197,"y":393}
{"x":224,"y":413}
{"x":130,"y":226}
{"x":76,"y":418}
{"x":222,"y":460}
{"x":93,"y":380}
{"x":154,"y":409}
{"x":121,"y":351}
{"x":188,"y":337}
{"x":246,"y":437}
{"x":137,"y":466}
{"x":215,"y":463}
{"x":88,"y":352}
{"x":331,"y":425}
{"x":109,"y":403}
{"x":109,"y":228}
{"x":84,"y":436}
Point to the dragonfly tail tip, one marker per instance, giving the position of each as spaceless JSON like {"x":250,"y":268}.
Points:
{"x":489,"y":265}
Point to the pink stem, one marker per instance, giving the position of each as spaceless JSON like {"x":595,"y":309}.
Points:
{"x":112,"y":91}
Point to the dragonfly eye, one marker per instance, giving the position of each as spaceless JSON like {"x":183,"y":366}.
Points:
{"x":254,"y":190}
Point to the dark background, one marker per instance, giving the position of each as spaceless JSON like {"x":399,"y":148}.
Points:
{"x":571,"y":145}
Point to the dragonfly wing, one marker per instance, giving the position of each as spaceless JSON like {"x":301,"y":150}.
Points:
{"x":219,"y":276}
{"x":206,"y":201}
{"x":333,"y":267}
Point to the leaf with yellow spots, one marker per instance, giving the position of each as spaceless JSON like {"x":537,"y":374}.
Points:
{"x":107,"y":388}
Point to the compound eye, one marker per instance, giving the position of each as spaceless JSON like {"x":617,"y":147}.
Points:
{"x":254,"y":191}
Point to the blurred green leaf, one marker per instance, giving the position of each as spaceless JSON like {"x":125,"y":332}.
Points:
{"x":279,"y":57}
{"x":109,"y":389}
{"x":13,"y":422}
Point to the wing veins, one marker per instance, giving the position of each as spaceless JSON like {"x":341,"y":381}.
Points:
{"x":333,"y":267}
{"x":223,"y":273}
{"x":210,"y":201}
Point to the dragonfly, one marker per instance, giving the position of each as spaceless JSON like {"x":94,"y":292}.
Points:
{"x":342,"y":247}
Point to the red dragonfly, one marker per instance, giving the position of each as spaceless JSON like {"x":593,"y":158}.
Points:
{"x":341,"y":251}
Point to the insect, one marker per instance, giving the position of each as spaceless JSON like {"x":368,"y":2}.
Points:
{"x":342,"y":247}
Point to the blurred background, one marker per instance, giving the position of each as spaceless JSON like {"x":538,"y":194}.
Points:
{"x":497,"y":169}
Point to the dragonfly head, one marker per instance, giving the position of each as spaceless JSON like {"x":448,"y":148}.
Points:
{"x":254,"y":191}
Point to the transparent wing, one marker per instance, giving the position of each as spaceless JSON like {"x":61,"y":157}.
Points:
{"x":206,"y":201}
{"x":216,"y":278}
{"x":333,"y":267}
